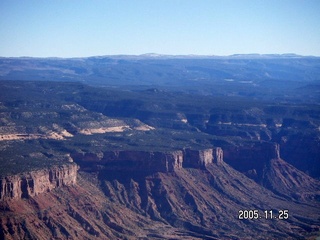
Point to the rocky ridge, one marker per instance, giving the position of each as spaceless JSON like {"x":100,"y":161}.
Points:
{"x":32,"y":183}
{"x":268,"y":169}
{"x":182,"y":194}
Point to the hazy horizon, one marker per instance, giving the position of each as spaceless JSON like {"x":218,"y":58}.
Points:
{"x":156,"y":55}
{"x":68,"y":29}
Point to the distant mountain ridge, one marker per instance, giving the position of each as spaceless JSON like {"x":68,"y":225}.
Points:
{"x":159,"y":55}
{"x":282,"y":76}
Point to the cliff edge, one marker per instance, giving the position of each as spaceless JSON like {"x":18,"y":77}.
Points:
{"x":32,"y":183}
{"x":148,"y":161}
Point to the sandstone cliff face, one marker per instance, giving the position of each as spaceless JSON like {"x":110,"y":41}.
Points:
{"x":253,"y":157}
{"x":198,"y":158}
{"x":33,"y":183}
{"x":36,"y":182}
{"x":144,"y":161}
{"x":149,"y":161}
{"x":218,"y":156}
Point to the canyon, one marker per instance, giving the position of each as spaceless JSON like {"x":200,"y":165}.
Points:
{"x":192,"y":194}
{"x":33,"y":183}
{"x":160,"y":148}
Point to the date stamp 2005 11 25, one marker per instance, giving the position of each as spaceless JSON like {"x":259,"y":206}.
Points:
{"x":267,"y":214}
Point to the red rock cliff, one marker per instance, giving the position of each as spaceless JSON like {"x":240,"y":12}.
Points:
{"x":198,"y":158}
{"x":149,"y":161}
{"x":33,"y":183}
{"x":143,"y":160}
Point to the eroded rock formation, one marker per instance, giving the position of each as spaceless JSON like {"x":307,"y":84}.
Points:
{"x":144,"y":160}
{"x":149,"y":161}
{"x":33,"y":183}
{"x":252,"y":157}
{"x":198,"y":158}
{"x":218,"y":156}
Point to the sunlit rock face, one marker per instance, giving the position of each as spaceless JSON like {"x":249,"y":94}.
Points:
{"x":218,"y":156}
{"x":198,"y":158}
{"x":149,"y":161}
{"x":35,"y":182}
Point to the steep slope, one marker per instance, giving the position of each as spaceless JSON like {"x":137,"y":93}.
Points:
{"x":284,"y":179}
{"x":262,"y":162}
{"x":186,"y":204}
{"x":76,"y":212}
{"x":208,"y":202}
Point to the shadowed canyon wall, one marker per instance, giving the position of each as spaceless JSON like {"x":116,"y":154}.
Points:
{"x":148,"y":161}
{"x":252,"y":159}
{"x":35,"y":182}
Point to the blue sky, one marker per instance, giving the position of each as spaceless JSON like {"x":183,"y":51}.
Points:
{"x":77,"y":28}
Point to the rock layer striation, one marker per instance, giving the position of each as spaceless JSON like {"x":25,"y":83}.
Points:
{"x":149,"y":161}
{"x":30,"y":184}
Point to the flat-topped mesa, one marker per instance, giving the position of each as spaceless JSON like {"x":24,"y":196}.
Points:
{"x":35,"y":182}
{"x":252,"y":159}
{"x":143,"y":161}
{"x":148,"y":161}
